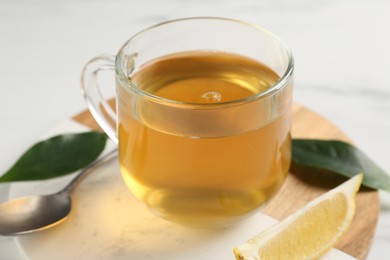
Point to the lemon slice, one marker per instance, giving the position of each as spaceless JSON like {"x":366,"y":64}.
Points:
{"x":309,"y":232}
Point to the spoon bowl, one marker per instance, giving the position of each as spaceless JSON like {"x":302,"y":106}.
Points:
{"x":34,"y":213}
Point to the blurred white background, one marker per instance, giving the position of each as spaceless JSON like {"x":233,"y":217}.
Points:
{"x":341,"y":50}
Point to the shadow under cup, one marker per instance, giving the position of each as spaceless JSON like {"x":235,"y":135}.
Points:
{"x":203,"y":164}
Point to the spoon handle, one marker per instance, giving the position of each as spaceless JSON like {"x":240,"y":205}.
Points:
{"x":108,"y":156}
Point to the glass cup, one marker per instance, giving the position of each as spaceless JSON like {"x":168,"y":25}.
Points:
{"x":203,"y":117}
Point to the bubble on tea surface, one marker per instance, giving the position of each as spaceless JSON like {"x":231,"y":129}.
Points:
{"x":212,"y":96}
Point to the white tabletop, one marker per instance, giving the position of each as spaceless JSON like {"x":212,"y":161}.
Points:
{"x":341,"y":51}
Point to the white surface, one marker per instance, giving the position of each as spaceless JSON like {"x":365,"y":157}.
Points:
{"x":341,"y":51}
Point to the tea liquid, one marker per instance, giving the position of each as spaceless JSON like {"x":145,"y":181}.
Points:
{"x":201,"y":179}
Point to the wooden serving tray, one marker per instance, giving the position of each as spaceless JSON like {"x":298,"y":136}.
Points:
{"x":305,"y":184}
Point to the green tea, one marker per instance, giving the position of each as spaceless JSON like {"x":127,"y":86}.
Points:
{"x":202,"y":179}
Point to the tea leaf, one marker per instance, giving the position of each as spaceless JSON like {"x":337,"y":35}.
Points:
{"x":57,"y":156}
{"x":339,"y":157}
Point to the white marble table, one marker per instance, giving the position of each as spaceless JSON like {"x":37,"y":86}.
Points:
{"x":341,"y":51}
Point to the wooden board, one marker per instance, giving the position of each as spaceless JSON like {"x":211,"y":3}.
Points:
{"x":304,"y":184}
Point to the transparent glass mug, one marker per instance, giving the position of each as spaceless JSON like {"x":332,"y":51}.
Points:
{"x":207,"y":163}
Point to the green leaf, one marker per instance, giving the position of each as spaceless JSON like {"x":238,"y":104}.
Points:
{"x":339,"y":157}
{"x":57,"y":156}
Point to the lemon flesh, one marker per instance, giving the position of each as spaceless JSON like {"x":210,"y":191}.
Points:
{"x":309,"y":232}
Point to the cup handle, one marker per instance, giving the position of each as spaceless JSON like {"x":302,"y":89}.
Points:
{"x":97,"y":104}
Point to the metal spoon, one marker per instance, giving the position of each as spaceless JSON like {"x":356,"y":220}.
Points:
{"x":35,"y":213}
